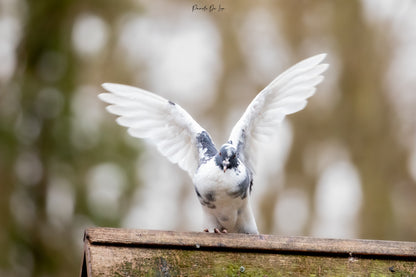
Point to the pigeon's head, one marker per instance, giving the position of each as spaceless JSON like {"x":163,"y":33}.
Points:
{"x":227,"y":157}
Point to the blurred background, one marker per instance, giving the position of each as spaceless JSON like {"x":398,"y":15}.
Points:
{"x":345,"y":167}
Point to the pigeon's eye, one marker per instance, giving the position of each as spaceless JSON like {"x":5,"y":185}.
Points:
{"x":220,"y":154}
{"x":233,"y":156}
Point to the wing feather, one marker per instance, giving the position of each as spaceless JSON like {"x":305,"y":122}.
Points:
{"x":163,"y":123}
{"x":286,"y":94}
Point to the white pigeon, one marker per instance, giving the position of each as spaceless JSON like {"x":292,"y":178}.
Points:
{"x":222,"y":179}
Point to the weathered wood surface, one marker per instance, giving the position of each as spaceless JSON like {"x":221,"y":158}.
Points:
{"x":121,"y":252}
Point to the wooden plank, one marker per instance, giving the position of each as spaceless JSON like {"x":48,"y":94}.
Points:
{"x":270,"y":243}
{"x":121,"y":252}
{"x":128,"y":261}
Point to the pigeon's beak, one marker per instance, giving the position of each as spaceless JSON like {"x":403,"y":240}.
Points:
{"x":225,"y":164}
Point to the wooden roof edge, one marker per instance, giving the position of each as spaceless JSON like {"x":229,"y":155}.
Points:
{"x":244,"y":242}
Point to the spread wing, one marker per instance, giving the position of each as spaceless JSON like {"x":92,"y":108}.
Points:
{"x":146,"y":115}
{"x":286,"y":94}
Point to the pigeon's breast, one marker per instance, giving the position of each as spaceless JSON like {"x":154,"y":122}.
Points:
{"x":216,"y":187}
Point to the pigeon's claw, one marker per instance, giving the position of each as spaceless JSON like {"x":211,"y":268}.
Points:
{"x":217,"y":231}
{"x":223,"y":231}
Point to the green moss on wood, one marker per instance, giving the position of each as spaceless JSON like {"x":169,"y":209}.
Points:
{"x":171,"y":262}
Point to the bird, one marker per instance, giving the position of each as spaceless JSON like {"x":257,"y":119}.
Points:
{"x":222,"y":178}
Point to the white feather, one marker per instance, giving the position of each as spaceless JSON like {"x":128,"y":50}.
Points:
{"x":286,"y":94}
{"x":149,"y":116}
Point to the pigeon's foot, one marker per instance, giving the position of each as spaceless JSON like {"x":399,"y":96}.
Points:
{"x":223,"y":231}
{"x":217,"y":231}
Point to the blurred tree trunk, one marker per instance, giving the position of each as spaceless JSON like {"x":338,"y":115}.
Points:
{"x":363,"y":119}
{"x":44,"y":51}
{"x":47,"y":60}
{"x":370,"y":127}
